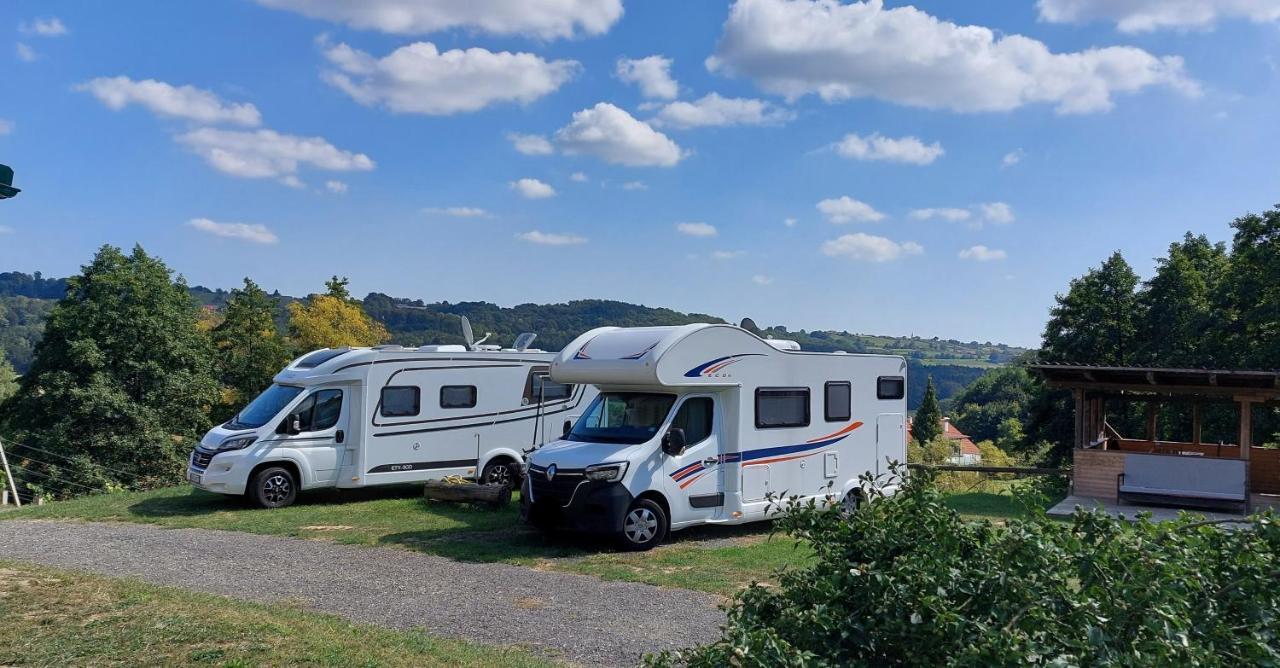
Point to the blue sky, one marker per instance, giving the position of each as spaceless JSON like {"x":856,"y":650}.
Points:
{"x":935,"y":168}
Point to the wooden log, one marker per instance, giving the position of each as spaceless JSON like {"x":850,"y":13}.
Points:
{"x":494,"y":496}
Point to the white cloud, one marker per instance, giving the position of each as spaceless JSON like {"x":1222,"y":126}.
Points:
{"x":530,"y":144}
{"x":293,"y":182}
{"x":50,"y":27}
{"x":945,"y":213}
{"x":613,"y":135}
{"x":551,"y":238}
{"x":532,"y":189}
{"x":761,"y":279}
{"x":651,"y":74}
{"x":727,"y":254}
{"x":335,"y":186}
{"x":186,"y":102}
{"x":1147,"y":15}
{"x":903,"y":55}
{"x":419,"y":79}
{"x":258,"y":234}
{"x":458,"y":211}
{"x":996,"y":212}
{"x":635,"y":185}
{"x":545,"y":19}
{"x":578,"y":177}
{"x":869,"y":248}
{"x":878,"y":147}
{"x":789,"y":222}
{"x":713,"y":110}
{"x":697,"y":229}
{"x":981,"y":253}
{"x":1012,"y":157}
{"x":845,"y":209}
{"x":25,"y":53}
{"x":6,"y":127}
{"x":265,"y":154}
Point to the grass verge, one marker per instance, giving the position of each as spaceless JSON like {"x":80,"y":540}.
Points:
{"x":714,"y":559}
{"x":54,"y":617}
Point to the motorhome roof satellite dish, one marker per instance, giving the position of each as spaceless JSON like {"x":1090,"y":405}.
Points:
{"x":750,"y":325}
{"x":6,"y":183}
{"x":467,"y":334}
{"x":524,"y":341}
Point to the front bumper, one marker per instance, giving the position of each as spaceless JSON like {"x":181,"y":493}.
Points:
{"x":584,"y":505}
{"x":219,"y":472}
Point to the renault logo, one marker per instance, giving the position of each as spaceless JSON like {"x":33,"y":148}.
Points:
{"x":551,"y":472}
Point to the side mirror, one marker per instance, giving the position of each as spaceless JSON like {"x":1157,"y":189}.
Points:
{"x":291,"y":426}
{"x":568,"y":426}
{"x":673,"y":442}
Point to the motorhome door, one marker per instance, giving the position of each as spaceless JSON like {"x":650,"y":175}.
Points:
{"x":890,"y":436}
{"x":695,"y":477}
{"x":321,"y":419}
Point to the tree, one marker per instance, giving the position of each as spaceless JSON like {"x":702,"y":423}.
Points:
{"x":250,"y":350}
{"x":122,"y":382}
{"x":1096,"y":321}
{"x":1250,"y":294}
{"x":333,"y":320}
{"x":1177,"y":305}
{"x":8,"y":380}
{"x":985,"y":404}
{"x":926,"y":425}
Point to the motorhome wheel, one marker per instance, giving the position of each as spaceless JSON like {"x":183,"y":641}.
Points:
{"x":273,"y":487}
{"x":644,"y":526}
{"x":500,"y":473}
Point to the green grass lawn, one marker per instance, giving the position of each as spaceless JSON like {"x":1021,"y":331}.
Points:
{"x":714,"y":559}
{"x":53,"y":617}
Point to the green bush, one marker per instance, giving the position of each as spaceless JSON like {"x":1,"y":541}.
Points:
{"x":904,"y":581}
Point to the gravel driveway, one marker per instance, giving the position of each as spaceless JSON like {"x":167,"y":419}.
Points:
{"x":576,"y":618}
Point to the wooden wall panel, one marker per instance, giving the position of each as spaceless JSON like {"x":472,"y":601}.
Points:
{"x":1095,"y":471}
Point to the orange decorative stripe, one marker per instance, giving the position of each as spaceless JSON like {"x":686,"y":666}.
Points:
{"x":846,"y":430}
{"x":692,"y":480}
{"x":781,"y":459}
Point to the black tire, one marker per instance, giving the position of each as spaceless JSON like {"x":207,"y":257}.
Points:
{"x":273,"y":487}
{"x":851,"y":502}
{"x":501,"y":472}
{"x":644,"y":526}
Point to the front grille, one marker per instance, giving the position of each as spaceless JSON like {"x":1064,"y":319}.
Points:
{"x":559,"y":489}
{"x":201,"y":459}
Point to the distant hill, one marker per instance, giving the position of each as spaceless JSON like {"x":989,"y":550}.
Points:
{"x":25,"y":300}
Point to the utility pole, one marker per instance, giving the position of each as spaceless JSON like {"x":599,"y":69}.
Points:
{"x":13,"y":484}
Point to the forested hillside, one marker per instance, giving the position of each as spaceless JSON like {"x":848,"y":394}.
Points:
{"x":25,"y":300}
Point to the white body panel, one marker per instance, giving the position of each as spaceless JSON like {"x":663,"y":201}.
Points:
{"x":727,"y":477}
{"x":365,"y":447}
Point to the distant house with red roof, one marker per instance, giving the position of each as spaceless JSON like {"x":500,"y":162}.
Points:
{"x":964,"y":451}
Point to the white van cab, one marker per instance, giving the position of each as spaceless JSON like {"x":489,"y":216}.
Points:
{"x":356,"y":417}
{"x":703,"y":424}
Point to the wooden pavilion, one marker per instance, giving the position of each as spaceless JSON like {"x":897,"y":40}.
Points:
{"x":1110,"y":467}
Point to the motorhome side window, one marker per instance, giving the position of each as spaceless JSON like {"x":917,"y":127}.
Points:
{"x":541,"y":388}
{"x":400,"y":401}
{"x":838,"y":401}
{"x":458,"y":396}
{"x":891,"y":387}
{"x":781,"y":407}
{"x":319,"y":411}
{"x":695,"y":417}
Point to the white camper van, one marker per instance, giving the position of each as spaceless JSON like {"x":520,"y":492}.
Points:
{"x":700,"y":424}
{"x":355,"y":417}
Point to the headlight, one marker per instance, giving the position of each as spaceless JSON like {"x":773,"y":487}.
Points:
{"x":236,"y":443}
{"x":611,"y":472}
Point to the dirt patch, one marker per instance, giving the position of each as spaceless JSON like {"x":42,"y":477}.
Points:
{"x":528,"y":602}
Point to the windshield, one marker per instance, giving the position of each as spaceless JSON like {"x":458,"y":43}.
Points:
{"x":266,"y":406}
{"x":622,"y":417}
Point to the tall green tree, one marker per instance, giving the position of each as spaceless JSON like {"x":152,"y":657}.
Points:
{"x":8,"y":379}
{"x":122,"y":382}
{"x":1177,"y":306}
{"x":926,"y":424}
{"x":250,"y":351}
{"x":1250,"y":293}
{"x":982,"y":408}
{"x":1096,"y":322}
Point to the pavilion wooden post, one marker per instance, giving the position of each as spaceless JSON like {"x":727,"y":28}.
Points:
{"x":1078,"y":394}
{"x":1152,"y":422}
{"x":1195,"y":423}
{"x":1246,"y":425}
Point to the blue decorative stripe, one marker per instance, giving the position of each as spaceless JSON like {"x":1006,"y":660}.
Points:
{"x":697,"y":370}
{"x":765,"y":453}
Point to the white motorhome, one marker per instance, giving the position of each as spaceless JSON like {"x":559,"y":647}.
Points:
{"x":356,"y":417}
{"x":703,"y":424}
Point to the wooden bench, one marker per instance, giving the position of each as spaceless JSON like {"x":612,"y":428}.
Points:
{"x":1203,"y":482}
